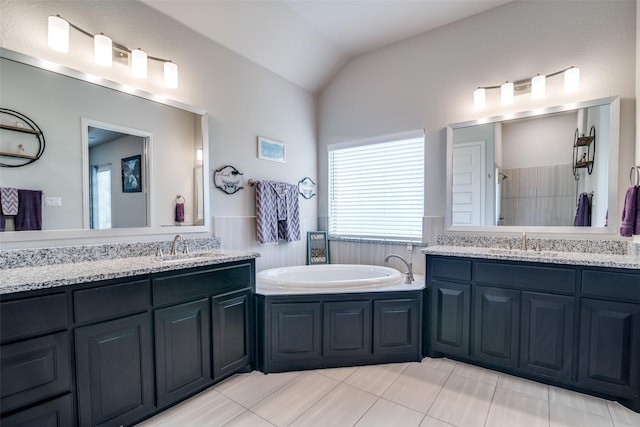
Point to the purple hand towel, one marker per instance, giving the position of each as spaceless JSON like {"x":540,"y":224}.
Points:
{"x":637,"y":225}
{"x":629,"y":212}
{"x":29,"y":215}
{"x":179,"y":212}
{"x":583,"y":212}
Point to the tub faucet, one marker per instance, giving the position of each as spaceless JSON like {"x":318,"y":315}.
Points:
{"x":408,"y":276}
{"x":174,"y":245}
{"x":523,"y":243}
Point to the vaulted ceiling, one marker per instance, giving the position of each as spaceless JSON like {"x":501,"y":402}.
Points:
{"x":308,"y":41}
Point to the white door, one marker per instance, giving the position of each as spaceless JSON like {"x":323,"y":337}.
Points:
{"x":468,"y":190}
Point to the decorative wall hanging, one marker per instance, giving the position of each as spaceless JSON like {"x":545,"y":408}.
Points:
{"x":228,"y":179}
{"x":307,"y":188}
{"x":268,"y":149}
{"x":21,"y":145}
{"x":584,"y":151}
{"x":317,"y":247}
{"x":132,"y":174}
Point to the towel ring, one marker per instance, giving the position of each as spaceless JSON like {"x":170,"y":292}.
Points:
{"x":635,"y":181}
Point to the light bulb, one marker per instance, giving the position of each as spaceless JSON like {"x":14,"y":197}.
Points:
{"x":538,"y":87}
{"x":102,"y":50}
{"x":58,"y":34}
{"x":572,"y":80}
{"x":506,"y":93}
{"x":479,"y":98}
{"x":138,"y":64}
{"x":170,"y":75}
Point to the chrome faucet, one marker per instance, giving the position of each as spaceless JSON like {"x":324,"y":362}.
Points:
{"x":523,"y":243}
{"x":174,"y":245}
{"x":408,"y":276}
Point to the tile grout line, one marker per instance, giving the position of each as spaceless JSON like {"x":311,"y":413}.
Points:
{"x":439,"y":392}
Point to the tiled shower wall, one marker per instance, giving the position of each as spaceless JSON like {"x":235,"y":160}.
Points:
{"x":544,"y":195}
{"x":239,"y":233}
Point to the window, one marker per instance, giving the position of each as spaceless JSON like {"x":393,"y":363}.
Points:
{"x":376,"y":188}
{"x":101,"y":197}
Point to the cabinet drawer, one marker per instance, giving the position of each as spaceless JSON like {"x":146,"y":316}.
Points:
{"x":611,"y":284}
{"x":529,"y":277}
{"x":32,"y":316}
{"x":111,"y":300}
{"x":181,"y":287}
{"x":34,"y":369}
{"x":454,"y":269}
{"x":55,"y":413}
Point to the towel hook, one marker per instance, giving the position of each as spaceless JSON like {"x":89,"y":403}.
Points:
{"x":635,"y":181}
{"x":179,"y":199}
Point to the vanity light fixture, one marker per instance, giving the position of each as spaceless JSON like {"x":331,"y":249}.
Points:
{"x":479,"y":98}
{"x":139,"y":63}
{"x":506,"y":93}
{"x":537,"y":85}
{"x":104,"y":49}
{"x":58,"y":34}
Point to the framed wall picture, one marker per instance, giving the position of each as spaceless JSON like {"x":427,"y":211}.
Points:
{"x":132,"y":174}
{"x":317,"y":247}
{"x":268,"y":149}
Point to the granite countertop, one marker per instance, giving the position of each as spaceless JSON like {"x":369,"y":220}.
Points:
{"x":554,"y":257}
{"x":50,"y":276}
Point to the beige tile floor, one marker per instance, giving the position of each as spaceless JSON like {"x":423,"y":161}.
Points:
{"x":433,"y":393}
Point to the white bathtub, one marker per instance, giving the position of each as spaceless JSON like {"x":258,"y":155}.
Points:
{"x":332,"y":278}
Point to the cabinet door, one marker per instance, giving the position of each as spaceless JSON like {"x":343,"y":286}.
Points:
{"x":34,"y":369}
{"x":232,"y":334}
{"x":183,"y":350}
{"x":396,"y":327}
{"x":496,"y":326}
{"x":609,"y":359}
{"x":54,"y":413}
{"x":114,"y":371}
{"x":450,"y":317}
{"x":546,"y":342}
{"x":295,"y":331}
{"x":347,"y":328}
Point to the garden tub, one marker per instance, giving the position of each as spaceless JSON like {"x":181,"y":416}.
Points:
{"x":332,"y":278}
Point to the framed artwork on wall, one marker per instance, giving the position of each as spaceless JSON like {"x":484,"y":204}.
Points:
{"x":132,"y":174}
{"x":317,"y":247}
{"x":269,"y":149}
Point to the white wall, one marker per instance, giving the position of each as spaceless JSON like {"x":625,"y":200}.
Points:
{"x":428,"y":81}
{"x":538,"y":142}
{"x":127,"y":209}
{"x":243,"y":101}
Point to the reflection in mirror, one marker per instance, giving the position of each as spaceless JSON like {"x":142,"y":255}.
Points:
{"x":117,"y":176}
{"x":536,"y":170}
{"x":65,"y":103}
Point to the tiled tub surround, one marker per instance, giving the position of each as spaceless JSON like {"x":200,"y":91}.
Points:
{"x":22,"y":270}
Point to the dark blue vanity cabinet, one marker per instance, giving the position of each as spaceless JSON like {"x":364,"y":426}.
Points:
{"x":35,"y":368}
{"x":572,"y":326}
{"x":116,"y":352}
{"x":298,"y":332}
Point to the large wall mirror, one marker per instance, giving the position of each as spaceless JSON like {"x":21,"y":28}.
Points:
{"x":115,"y":163}
{"x":553,"y":170}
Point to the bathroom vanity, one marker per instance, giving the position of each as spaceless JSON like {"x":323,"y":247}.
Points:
{"x":119,"y":350}
{"x":569,"y":320}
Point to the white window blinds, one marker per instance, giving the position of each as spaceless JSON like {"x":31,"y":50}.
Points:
{"x":376,"y":190}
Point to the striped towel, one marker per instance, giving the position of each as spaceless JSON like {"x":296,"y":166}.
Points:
{"x":9,"y":200}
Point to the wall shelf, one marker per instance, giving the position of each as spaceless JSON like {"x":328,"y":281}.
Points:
{"x":584,"y":151}
{"x":23,"y":125}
